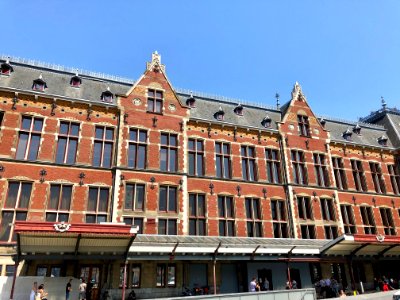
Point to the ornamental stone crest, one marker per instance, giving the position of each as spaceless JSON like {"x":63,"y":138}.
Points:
{"x":155,"y":64}
{"x":380,"y":238}
{"x":62,"y":227}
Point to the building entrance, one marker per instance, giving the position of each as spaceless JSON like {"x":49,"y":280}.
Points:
{"x":91,"y":275}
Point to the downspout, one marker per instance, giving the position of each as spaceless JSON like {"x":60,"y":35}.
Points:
{"x":115,"y":167}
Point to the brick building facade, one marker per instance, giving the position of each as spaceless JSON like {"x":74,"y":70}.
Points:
{"x":220,"y":191}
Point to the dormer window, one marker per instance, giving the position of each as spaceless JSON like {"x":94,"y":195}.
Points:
{"x":322,"y":122}
{"x":266,"y":122}
{"x":219,"y":115}
{"x":191,"y":102}
{"x":107,"y":96}
{"x":75,"y":81}
{"x":357,"y":129}
{"x":383,"y":140}
{"x":6,"y":68}
{"x":155,"y":101}
{"x":347,"y":135}
{"x":238,"y":110}
{"x":39,"y":84}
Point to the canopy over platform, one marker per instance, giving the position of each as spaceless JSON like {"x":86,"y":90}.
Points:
{"x":229,"y":248}
{"x":45,"y":240}
{"x":363,"y":245}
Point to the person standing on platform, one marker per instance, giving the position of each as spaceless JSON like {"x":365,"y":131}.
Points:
{"x":68,"y":289}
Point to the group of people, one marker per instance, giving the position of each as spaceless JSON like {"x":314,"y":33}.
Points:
{"x":261,"y":285}
{"x":38,"y":292}
{"x":329,"y":288}
{"x":385,"y":284}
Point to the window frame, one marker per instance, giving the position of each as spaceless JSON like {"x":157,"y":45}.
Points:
{"x":328,"y":211}
{"x":360,"y":182}
{"x":321,"y":170}
{"x":273,"y":165}
{"x":31,"y":132}
{"x":168,"y":200}
{"x":300,"y":174}
{"x":68,"y":137}
{"x":304,"y":208}
{"x":331,"y":232}
{"x":368,"y":220}
{"x":103,"y":141}
{"x":223,"y":162}
{"x":169,"y":148}
{"x":279,"y":218}
{"x":249,"y":165}
{"x":377,"y":177}
{"x":96,"y":213}
{"x":197,"y":155}
{"x":349,"y":221}
{"x":387,"y":220}
{"x":133,"y":220}
{"x":59,"y":211}
{"x":394,"y":173}
{"x":155,"y":99}
{"x":253,"y":217}
{"x":310,"y":232}
{"x":165,"y":275}
{"x":134,"y":146}
{"x":168,"y":222}
{"x":226,"y":220}
{"x":304,"y":125}
{"x":135,"y":196}
{"x":339,"y":173}
{"x":197,"y":218}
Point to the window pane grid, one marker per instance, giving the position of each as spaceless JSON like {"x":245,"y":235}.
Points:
{"x":137,"y":148}
{"x":358,"y":175}
{"x":377,"y":178}
{"x":97,"y":207}
{"x":321,"y":170}
{"x":387,"y":221}
{"x":197,"y":217}
{"x":167,"y":226}
{"x":304,"y":126}
{"x":168,"y":199}
{"x":226,"y":216}
{"x":299,"y":167}
{"x":340,"y":175}
{"x":249,"y":169}
{"x":67,"y":143}
{"x":103,"y":146}
{"x":253,"y":215}
{"x":196,"y":157}
{"x":368,"y":220}
{"x":395,"y":178}
{"x":348,"y":219}
{"x":154,"y":101}
{"x":134,"y":197}
{"x":59,"y":203}
{"x":273,"y":166}
{"x":29,"y":138}
{"x":223,"y":160}
{"x":304,"y":208}
{"x":169,"y":152}
{"x":328,"y":210}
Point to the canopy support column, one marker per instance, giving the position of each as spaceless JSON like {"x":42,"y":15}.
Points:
{"x":124,"y":281}
{"x":14,"y":278}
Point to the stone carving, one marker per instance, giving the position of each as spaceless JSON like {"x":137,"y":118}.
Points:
{"x":62,"y":227}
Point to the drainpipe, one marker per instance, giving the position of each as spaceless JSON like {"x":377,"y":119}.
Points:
{"x":114,"y":169}
{"x":14,"y":278}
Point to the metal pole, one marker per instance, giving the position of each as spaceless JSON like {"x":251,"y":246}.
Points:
{"x":215,"y":277}
{"x":124,"y":281}
{"x":288,"y":275}
{"x":14,"y":279}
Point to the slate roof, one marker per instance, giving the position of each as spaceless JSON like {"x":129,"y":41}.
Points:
{"x":94,"y":84}
{"x":369,"y":133}
{"x":58,"y":83}
{"x":205,"y":109}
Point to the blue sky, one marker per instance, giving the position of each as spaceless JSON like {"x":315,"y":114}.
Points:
{"x":344,"y":53}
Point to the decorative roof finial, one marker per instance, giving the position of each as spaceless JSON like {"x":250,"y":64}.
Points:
{"x":383,"y":103}
{"x":277,"y":101}
{"x":108,"y":88}
{"x":41,"y":75}
{"x":155,"y":57}
{"x":191,"y":94}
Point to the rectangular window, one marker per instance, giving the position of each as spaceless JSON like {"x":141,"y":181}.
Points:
{"x":59,"y":203}
{"x":304,"y":126}
{"x":134,"y":197}
{"x":368,"y":219}
{"x":348,"y":219}
{"x":340,"y":175}
{"x":169,"y":152}
{"x":1,"y":120}
{"x":249,"y":169}
{"x":97,"y":207}
{"x":167,"y":227}
{"x":358,"y":175}
{"x":299,"y":167}
{"x":307,"y":232}
{"x":197,"y":214}
{"x":166,"y":275}
{"x":279,"y":218}
{"x":273,"y":166}
{"x":10,"y":270}
{"x":15,"y":208}
{"x":223,"y":160}
{"x":167,"y":199}
{"x":331,"y":232}
{"x":196,"y":157}
{"x":321,"y":170}
{"x":137,"y":148}
{"x":154,"y":101}
{"x":135,"y":278}
{"x":328,"y":210}
{"x":377,"y":178}
{"x":67,"y":144}
{"x":304,"y":207}
{"x":387,"y":221}
{"x":137,"y":221}
{"x":103,"y":146}
{"x":395,"y":178}
{"x":253,"y":215}
{"x":29,"y":138}
{"x":226,"y":216}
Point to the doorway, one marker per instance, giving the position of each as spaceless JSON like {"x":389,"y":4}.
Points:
{"x":265,"y":279}
{"x":91,"y":275}
{"x":295,"y":275}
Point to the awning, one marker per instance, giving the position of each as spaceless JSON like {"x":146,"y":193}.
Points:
{"x":228,"y":248}
{"x":41,"y":240}
{"x":363,"y":245}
